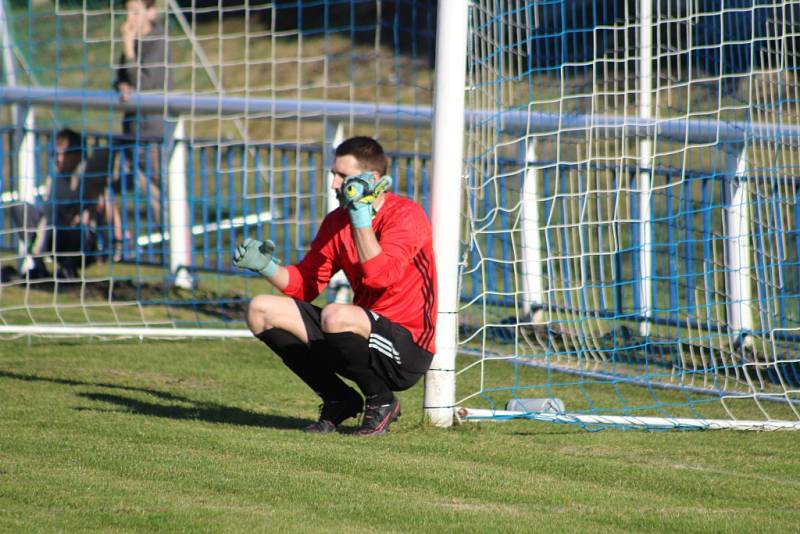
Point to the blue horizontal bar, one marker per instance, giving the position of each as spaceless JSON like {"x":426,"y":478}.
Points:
{"x":692,"y":130}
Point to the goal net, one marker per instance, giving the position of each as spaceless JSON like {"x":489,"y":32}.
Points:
{"x":631,"y":253}
{"x":126,"y":227}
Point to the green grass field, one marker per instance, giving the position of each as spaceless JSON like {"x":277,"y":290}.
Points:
{"x":204,"y":436}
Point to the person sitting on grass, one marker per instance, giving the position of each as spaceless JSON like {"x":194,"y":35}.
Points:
{"x":61,"y":224}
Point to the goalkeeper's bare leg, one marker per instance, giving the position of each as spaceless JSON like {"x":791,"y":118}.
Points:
{"x":275,"y":311}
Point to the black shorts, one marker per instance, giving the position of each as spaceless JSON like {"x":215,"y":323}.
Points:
{"x":393,"y":354}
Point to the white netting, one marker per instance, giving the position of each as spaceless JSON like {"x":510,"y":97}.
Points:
{"x":254,"y":98}
{"x":632,"y":178}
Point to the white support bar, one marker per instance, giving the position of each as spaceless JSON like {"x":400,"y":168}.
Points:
{"x":123,"y":331}
{"x":334,"y":135}
{"x":26,"y":160}
{"x":9,"y":67}
{"x":26,"y":180}
{"x":180,"y":251}
{"x":665,"y":423}
{"x":645,"y":164}
{"x":446,"y":198}
{"x":739,"y":262}
{"x":533,"y":282}
{"x":338,"y":287}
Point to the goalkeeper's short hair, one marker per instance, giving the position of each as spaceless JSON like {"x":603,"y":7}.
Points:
{"x":367,"y":151}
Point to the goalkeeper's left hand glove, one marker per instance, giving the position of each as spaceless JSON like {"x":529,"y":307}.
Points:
{"x":257,"y":256}
{"x":359,"y":193}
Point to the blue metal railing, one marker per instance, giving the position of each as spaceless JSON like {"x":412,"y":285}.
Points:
{"x":688,"y":252}
{"x":268,"y":191}
{"x":285,"y":191}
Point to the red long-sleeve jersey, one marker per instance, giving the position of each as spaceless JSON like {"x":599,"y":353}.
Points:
{"x":399,"y":283}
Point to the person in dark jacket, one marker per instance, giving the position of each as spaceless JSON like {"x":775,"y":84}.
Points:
{"x":61,"y":224}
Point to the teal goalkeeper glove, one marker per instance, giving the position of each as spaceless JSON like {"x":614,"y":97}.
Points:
{"x":359,"y":193}
{"x":257,"y":256}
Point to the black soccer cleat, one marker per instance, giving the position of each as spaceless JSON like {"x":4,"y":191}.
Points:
{"x":378,"y":417}
{"x":333,"y":412}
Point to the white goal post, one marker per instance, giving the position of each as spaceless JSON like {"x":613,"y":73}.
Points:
{"x":628,"y":242}
{"x":448,"y":151}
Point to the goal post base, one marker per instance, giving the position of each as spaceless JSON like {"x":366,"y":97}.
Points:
{"x":645,"y":423}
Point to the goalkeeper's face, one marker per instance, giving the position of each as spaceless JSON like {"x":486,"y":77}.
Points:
{"x":343,"y":167}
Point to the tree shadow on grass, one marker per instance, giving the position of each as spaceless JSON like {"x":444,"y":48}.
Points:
{"x":196,"y":410}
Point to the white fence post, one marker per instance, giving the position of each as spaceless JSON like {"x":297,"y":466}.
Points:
{"x":334,"y":135}
{"x":645,"y":165}
{"x":180,"y":235}
{"x":23,"y":120}
{"x":737,"y":244}
{"x":22,"y":117}
{"x":446,"y":197}
{"x":533,"y":286}
{"x":338,"y":287}
{"x":26,"y":160}
{"x":9,"y":67}
{"x":26,"y":181}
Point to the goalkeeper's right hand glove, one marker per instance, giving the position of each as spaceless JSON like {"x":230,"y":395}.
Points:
{"x":257,"y":256}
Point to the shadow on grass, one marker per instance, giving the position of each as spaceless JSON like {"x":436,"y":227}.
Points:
{"x":71,"y":382}
{"x":199,"y":411}
{"x":196,"y":411}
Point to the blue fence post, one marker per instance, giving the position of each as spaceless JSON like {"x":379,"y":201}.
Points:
{"x":204,"y":188}
{"x":672,"y":253}
{"x":230,"y":176}
{"x":218,"y":205}
{"x":707,"y":204}
{"x":257,"y":177}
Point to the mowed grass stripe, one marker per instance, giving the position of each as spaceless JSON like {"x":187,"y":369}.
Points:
{"x":204,"y":436}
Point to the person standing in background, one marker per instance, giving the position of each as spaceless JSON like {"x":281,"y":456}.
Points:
{"x":143,"y":66}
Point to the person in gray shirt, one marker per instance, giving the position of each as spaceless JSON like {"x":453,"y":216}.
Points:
{"x":144,"y":65}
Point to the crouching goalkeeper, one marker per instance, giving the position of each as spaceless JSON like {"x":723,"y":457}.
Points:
{"x":384,"y":342}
